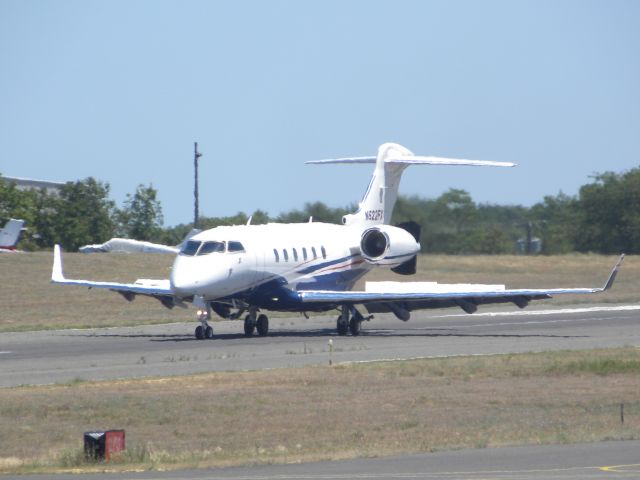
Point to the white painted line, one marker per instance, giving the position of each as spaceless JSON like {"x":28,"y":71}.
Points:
{"x":5,"y":353}
{"x":620,"y":308}
{"x":451,"y":326}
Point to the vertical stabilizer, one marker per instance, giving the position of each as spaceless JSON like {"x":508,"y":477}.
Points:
{"x":378,"y":201}
{"x":10,"y":234}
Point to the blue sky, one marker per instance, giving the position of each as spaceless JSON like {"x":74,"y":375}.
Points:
{"x":120,"y":90}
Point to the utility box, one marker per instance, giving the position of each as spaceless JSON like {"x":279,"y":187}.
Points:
{"x":103,"y":444}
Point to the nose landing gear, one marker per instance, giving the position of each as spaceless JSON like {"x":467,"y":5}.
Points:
{"x":204,"y":330}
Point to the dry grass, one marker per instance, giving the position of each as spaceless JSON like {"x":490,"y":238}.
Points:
{"x":514,"y":271}
{"x":330,"y":413}
{"x":30,"y":302}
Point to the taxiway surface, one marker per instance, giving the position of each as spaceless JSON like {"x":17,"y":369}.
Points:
{"x":59,"y":356}
{"x":603,"y":460}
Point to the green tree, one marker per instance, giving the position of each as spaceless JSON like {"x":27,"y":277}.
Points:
{"x":141,"y":217}
{"x":15,"y":203}
{"x":21,"y":204}
{"x":43,"y":227}
{"x":555,"y":222}
{"x":609,"y":213}
{"x":84,"y":214}
{"x":318,"y":210}
{"x":457,"y":208}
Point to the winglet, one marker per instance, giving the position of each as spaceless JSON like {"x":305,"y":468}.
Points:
{"x":612,"y":275}
{"x":56,"y":273}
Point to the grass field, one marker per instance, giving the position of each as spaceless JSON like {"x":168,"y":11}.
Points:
{"x":30,"y":302}
{"x":314,"y":413}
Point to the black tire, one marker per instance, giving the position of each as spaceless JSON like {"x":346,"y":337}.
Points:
{"x":262,"y":325}
{"x":354,"y":327}
{"x":249,"y":326}
{"x":341,"y":326}
{"x":199,"y":332}
{"x":208,"y":332}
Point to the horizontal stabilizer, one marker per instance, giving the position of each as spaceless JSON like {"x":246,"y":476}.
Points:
{"x":376,"y":207}
{"x":416,"y":160}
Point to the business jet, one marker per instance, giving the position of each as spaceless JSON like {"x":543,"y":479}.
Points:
{"x":313,"y":266}
{"x":10,"y":235}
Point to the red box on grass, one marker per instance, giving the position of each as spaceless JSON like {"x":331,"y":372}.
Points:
{"x":103,"y":444}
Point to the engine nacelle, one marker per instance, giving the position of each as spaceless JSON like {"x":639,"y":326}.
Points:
{"x":388,"y":246}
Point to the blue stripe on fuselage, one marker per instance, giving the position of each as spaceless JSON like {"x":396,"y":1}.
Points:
{"x":314,"y":268}
{"x":338,"y":281}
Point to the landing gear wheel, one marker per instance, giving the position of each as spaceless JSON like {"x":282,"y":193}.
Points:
{"x":354,"y":326}
{"x":262,"y":325}
{"x":342,"y":325}
{"x":208,"y":332}
{"x":249,"y":326}
{"x":199,"y":332}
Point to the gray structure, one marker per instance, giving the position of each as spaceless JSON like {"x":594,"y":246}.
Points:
{"x":29,"y":183}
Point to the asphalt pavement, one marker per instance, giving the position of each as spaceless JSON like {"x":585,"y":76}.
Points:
{"x":59,"y":356}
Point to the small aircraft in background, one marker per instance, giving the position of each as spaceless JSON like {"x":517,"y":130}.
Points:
{"x":312,"y":267}
{"x":10,"y":235}
{"x":128,"y":245}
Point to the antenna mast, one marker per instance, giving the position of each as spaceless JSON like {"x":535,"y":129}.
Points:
{"x":196,"y":214}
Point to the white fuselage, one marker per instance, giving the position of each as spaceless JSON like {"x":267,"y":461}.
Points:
{"x":301,"y":256}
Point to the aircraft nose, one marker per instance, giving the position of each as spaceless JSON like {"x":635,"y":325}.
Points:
{"x":190,"y":277}
{"x":184,"y":281}
{"x":182,"y":286}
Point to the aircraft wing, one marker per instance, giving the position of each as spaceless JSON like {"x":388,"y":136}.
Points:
{"x":159,"y":289}
{"x":403,"y":297}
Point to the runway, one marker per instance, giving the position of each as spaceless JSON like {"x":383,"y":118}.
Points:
{"x":60,"y":356}
{"x":604,"y":460}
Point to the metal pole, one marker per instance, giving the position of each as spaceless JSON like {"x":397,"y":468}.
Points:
{"x":196,"y":214}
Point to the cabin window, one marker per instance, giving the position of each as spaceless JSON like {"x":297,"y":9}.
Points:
{"x":235,"y":246}
{"x":313,"y":250}
{"x":285,"y":254}
{"x":275,"y":254}
{"x":190,"y":248}
{"x":324,"y":252}
{"x":295,"y":255}
{"x":211,"y":247}
{"x":304,"y":254}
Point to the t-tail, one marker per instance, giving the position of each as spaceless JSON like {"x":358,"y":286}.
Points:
{"x":376,"y":207}
{"x":10,"y":234}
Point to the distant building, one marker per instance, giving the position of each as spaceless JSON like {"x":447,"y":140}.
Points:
{"x":29,"y":183}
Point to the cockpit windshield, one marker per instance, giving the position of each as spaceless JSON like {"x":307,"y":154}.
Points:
{"x":235,"y":246}
{"x":211,"y":247}
{"x":194,"y":247}
{"x":190,"y":248}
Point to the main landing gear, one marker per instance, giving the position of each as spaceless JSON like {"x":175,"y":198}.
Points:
{"x":350,"y":320}
{"x":256,"y":323}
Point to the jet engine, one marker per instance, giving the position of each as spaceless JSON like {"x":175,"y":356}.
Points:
{"x":388,"y":246}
